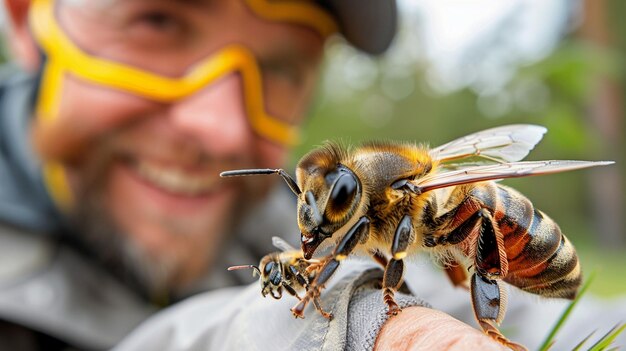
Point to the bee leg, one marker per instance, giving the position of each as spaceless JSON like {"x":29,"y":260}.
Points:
{"x":394,"y":270}
{"x":378,"y":257}
{"x":302,"y":280}
{"x":391,"y":283}
{"x":278,"y":295}
{"x":452,"y":227}
{"x":314,"y":289}
{"x":490,"y":257}
{"x":457,"y":274}
{"x":314,"y":266}
{"x":316,"y":302}
{"x":318,"y":307}
{"x":481,"y":231}
{"x":489,"y":303}
{"x":291,"y":291}
{"x":488,"y":295}
{"x":356,"y":234}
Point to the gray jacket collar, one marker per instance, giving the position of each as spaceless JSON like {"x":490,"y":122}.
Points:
{"x":24,"y":200}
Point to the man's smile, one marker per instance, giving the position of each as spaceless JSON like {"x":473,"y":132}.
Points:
{"x":176,"y":179}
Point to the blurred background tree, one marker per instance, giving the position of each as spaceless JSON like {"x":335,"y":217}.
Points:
{"x":461,"y":66}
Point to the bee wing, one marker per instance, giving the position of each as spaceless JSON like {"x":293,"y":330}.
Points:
{"x":500,"y":171}
{"x":281,"y":244}
{"x":501,"y":144}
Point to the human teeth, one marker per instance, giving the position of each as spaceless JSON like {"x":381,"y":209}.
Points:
{"x":175,"y":180}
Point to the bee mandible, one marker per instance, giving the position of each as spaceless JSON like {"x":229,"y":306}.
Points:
{"x":390,"y":200}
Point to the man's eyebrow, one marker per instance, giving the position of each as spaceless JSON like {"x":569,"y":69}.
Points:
{"x":285,"y":57}
{"x":291,"y":50}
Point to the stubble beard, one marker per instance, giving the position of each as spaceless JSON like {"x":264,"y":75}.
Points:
{"x":152,"y":276}
{"x":96,"y":231}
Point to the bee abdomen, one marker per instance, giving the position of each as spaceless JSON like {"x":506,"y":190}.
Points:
{"x":558,"y":276}
{"x":536,"y":245}
{"x":541,"y":260}
{"x":530,"y":237}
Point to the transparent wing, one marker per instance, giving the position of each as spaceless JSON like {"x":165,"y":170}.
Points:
{"x":281,"y":244}
{"x":500,"y":171}
{"x":509,"y":143}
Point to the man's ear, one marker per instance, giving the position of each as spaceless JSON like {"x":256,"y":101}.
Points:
{"x":20,"y":37}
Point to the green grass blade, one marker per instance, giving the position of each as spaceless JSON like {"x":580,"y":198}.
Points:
{"x":549,"y":347}
{"x":546,"y":344}
{"x":580,"y":344}
{"x":608,"y":338}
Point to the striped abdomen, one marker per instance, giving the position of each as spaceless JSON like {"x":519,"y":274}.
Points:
{"x":541,"y":260}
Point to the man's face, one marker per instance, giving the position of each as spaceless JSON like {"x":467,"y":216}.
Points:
{"x":149,"y":169}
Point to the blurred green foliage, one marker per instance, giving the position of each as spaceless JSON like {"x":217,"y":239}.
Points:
{"x":554,"y":92}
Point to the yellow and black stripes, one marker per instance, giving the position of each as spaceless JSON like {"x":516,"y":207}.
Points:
{"x":534,"y":255}
{"x":541,"y":259}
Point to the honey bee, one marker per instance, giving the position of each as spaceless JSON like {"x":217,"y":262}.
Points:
{"x":286,"y":269}
{"x":390,"y":200}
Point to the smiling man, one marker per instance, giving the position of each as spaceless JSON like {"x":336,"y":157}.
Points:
{"x":113,"y":132}
{"x":142,"y":103}
{"x":113,"y":135}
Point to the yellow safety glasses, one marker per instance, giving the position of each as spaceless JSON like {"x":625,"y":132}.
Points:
{"x":64,"y":57}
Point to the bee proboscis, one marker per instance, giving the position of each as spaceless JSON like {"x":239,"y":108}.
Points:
{"x":390,"y":200}
{"x":286,"y":269}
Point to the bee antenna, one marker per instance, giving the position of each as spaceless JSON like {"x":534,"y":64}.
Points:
{"x":317,"y":215}
{"x":246,"y":172}
{"x":246,"y":266}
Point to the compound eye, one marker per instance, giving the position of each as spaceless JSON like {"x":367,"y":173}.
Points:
{"x":343,"y":191}
{"x":275,"y":277}
{"x":268,"y":268}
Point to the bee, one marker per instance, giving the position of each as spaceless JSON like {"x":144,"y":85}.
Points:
{"x":390,"y":200}
{"x":286,"y":269}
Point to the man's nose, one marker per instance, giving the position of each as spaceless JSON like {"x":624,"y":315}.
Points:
{"x":215,"y":116}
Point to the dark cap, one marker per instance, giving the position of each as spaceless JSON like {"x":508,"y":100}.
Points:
{"x":369,"y":25}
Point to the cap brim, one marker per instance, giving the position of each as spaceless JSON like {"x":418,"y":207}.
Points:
{"x":369,"y":25}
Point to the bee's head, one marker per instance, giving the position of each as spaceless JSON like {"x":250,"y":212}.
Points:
{"x":331,"y":194}
{"x":271,"y":277}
